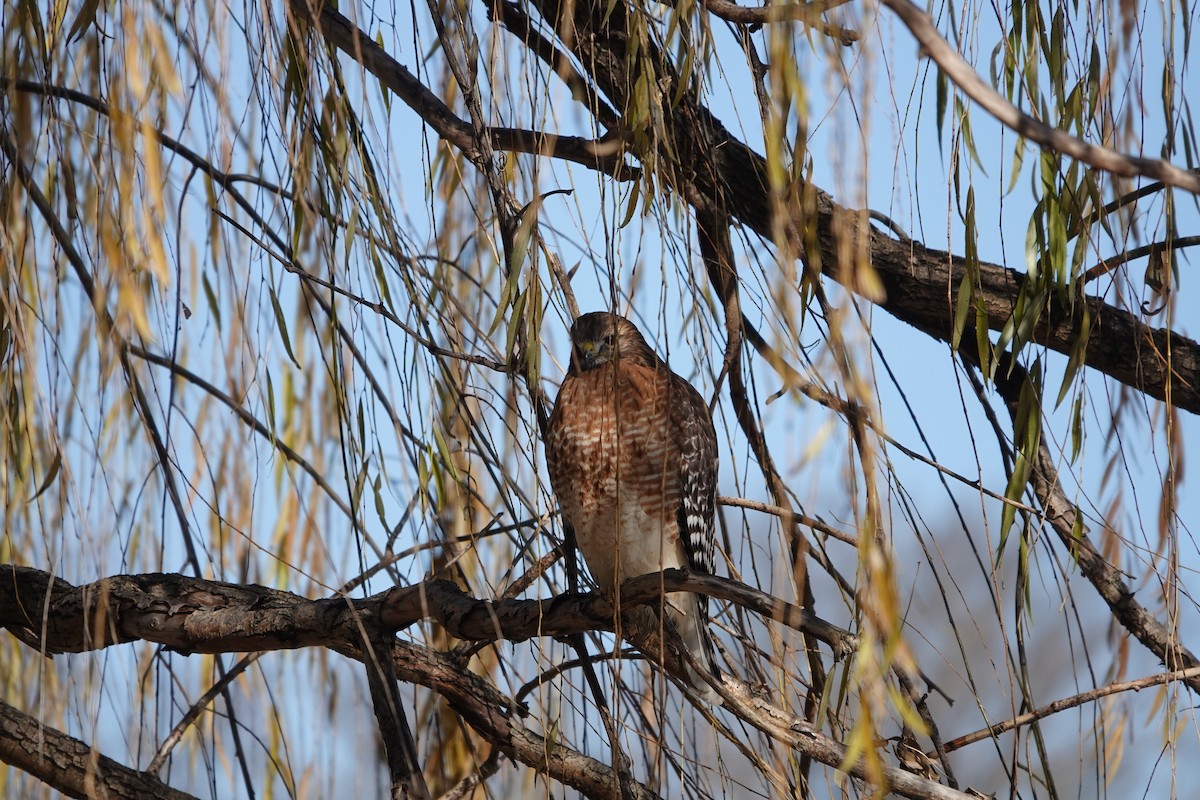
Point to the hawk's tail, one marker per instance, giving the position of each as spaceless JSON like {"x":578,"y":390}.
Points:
{"x":689,"y":614}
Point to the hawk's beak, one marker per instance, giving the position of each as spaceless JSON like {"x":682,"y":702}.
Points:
{"x":587,"y":354}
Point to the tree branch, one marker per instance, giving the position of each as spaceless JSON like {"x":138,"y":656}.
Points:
{"x":400,"y":749}
{"x":489,"y":712}
{"x":200,"y":616}
{"x":71,"y":766}
{"x":919,"y":283}
{"x":605,"y":155}
{"x":920,"y":24}
{"x":196,"y":616}
{"x":1070,"y":702}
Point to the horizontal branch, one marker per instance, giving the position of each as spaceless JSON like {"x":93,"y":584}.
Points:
{"x":199,"y":616}
{"x":193,"y":615}
{"x":202,"y":616}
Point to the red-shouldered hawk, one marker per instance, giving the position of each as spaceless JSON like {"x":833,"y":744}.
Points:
{"x":632,"y":455}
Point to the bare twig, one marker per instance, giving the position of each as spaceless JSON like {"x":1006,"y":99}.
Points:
{"x":1109,"y":264}
{"x":193,"y":713}
{"x":1071,"y":702}
{"x":798,"y":518}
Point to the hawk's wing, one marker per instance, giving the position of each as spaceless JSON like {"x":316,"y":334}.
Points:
{"x":697,"y":441}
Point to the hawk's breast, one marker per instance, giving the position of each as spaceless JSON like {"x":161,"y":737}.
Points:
{"x":614,"y":465}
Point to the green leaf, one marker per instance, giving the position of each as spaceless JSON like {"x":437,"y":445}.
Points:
{"x":383,"y":89}
{"x":961,"y":306}
{"x":943,"y":94}
{"x":1057,"y":250}
{"x":1033,"y":244}
{"x":1078,"y":355}
{"x":85,"y":19}
{"x":968,"y":138}
{"x":533,"y":327}
{"x":632,"y":204}
{"x":1027,"y":436}
{"x":1054,"y":58}
{"x":381,"y":281}
{"x":360,"y":419}
{"x":526,"y":225}
{"x":1018,"y":163}
{"x":514,"y":324}
{"x":982,"y":342}
{"x":51,"y":474}
{"x":360,"y":483}
{"x":271,"y":404}
{"x":282,"y":323}
{"x":1013,"y":492}
{"x":444,"y":453}
{"x":380,"y":506}
{"x":1077,"y":431}
{"x":210,"y":296}
{"x":1077,"y":534}
{"x":522,"y":237}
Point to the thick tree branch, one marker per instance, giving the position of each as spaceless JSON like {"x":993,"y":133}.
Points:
{"x":200,"y":616}
{"x":71,"y":766}
{"x":193,"y":615}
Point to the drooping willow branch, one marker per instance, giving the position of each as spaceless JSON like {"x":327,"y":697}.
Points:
{"x":960,"y":73}
{"x":603,"y":155}
{"x":1064,"y":518}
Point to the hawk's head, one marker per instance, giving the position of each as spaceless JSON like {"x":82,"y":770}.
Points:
{"x":600,"y":337}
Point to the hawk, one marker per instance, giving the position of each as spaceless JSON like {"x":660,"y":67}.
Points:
{"x":632,"y":455}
